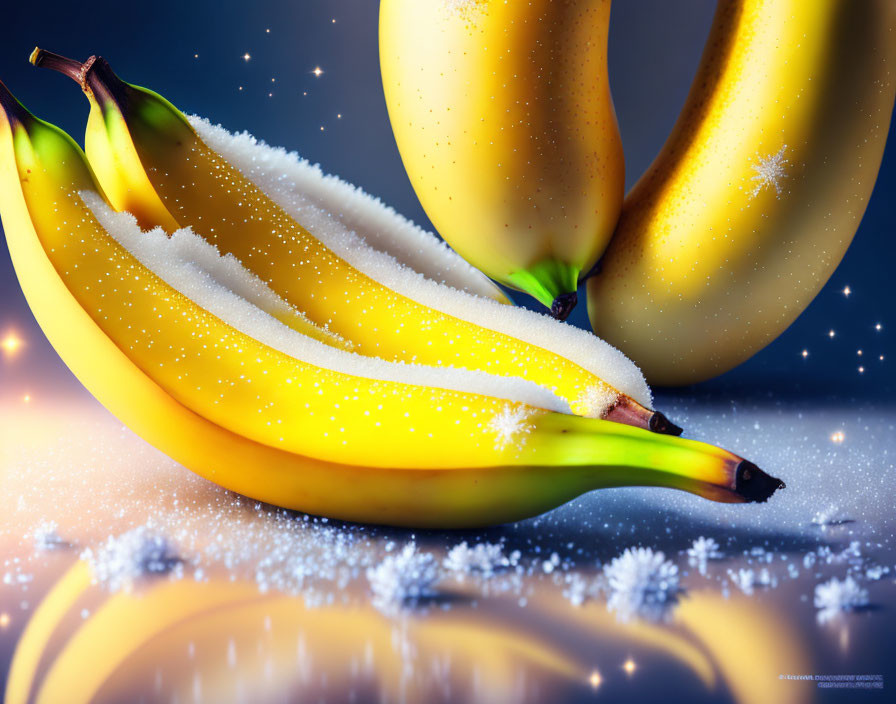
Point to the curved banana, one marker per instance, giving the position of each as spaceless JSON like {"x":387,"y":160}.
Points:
{"x":168,"y":172}
{"x":156,"y":332}
{"x":758,"y":191}
{"x":504,"y":120}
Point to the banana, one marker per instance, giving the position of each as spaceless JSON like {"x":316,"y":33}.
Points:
{"x":170,"y":172}
{"x":157,"y":333}
{"x":758,"y":191}
{"x":503,"y":116}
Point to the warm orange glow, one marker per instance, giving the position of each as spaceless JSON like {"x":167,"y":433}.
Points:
{"x":838,"y":437}
{"x":11,"y":344}
{"x":4,"y":620}
{"x":595,"y":679}
{"x":629,"y":666}
{"x":26,"y":398}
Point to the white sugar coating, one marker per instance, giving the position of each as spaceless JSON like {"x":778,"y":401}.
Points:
{"x":835,"y":597}
{"x":270,"y":168}
{"x":125,"y":558}
{"x":323,"y":202}
{"x":404,"y":578}
{"x":190,"y":265}
{"x":483,"y":559}
{"x":595,"y":401}
{"x":641,"y":582}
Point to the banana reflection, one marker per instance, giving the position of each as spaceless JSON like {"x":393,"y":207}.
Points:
{"x":223,"y":641}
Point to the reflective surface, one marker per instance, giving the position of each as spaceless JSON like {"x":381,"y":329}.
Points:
{"x":125,"y":578}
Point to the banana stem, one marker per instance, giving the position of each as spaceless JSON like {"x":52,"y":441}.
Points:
{"x":627,"y":410}
{"x":68,"y":67}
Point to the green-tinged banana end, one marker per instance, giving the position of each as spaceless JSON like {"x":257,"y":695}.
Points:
{"x":754,"y":485}
{"x":550,"y":282}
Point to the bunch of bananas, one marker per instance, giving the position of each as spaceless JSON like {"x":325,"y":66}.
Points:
{"x":262,"y":324}
{"x":505,"y":124}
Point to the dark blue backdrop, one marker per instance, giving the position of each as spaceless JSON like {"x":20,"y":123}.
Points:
{"x":193,"y":53}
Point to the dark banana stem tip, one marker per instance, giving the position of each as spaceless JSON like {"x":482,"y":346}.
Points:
{"x":659,"y":423}
{"x":753,"y":484}
{"x":563,"y":305}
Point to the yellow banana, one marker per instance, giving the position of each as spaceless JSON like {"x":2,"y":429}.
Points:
{"x":166,"y":341}
{"x":504,"y":120}
{"x":153,"y":163}
{"x":757,"y":193}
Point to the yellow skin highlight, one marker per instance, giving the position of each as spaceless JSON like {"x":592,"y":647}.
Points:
{"x":448,"y":472}
{"x":503,"y":116}
{"x":160,"y":170}
{"x":711,"y":261}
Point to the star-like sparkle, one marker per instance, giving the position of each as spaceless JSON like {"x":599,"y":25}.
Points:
{"x":770,"y":173}
{"x":318,"y":71}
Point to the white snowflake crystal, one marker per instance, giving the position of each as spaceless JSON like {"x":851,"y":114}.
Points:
{"x":578,"y":590}
{"x":876,"y":572}
{"x":510,"y":426}
{"x":641,"y":582}
{"x":125,"y":558}
{"x":703,"y":550}
{"x":745,"y":579}
{"x":770,"y":173}
{"x":483,"y":558}
{"x":835,"y":597}
{"x":403,"y":578}
{"x":46,"y":537}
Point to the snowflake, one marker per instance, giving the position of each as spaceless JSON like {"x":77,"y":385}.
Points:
{"x":770,"y":172}
{"x":876,"y":572}
{"x":123,"y":559}
{"x":744,"y":579}
{"x":509,"y":426}
{"x":403,"y":578}
{"x":701,"y":551}
{"x":641,"y":582}
{"x":484,"y":558}
{"x":595,"y":401}
{"x":46,"y":537}
{"x":835,"y":597}
{"x":578,"y":589}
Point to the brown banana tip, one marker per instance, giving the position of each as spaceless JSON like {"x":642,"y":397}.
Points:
{"x":563,"y":305}
{"x":659,"y":423}
{"x":753,"y":484}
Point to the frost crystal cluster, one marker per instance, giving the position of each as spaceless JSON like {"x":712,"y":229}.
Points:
{"x":641,"y":582}
{"x":125,"y":558}
{"x":835,"y":597}
{"x":403,"y":579}
{"x":703,"y":550}
{"x":483,"y":558}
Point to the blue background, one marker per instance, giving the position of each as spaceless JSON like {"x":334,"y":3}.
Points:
{"x":192,"y":52}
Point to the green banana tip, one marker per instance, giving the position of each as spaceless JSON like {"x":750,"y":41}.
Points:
{"x":755,"y":485}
